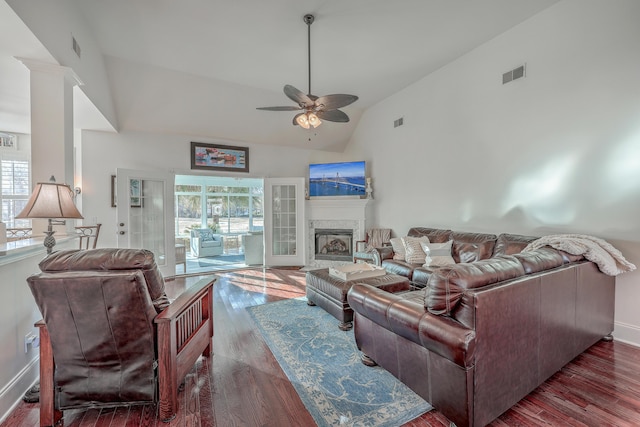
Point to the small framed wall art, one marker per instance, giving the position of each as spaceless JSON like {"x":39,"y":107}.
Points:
{"x":219,"y":157}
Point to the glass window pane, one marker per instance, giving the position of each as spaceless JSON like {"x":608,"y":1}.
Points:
{"x":188,"y":214}
{"x":217,"y":189}
{"x":15,"y":191}
{"x":188,"y":188}
{"x":15,"y":178}
{"x":146,"y":228}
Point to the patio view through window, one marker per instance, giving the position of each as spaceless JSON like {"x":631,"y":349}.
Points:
{"x":229,"y":206}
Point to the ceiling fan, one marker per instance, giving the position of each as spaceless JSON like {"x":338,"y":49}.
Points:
{"x":314,"y":107}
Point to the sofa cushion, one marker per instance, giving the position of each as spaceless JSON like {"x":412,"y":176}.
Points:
{"x":472,"y":247}
{"x":413,"y":251}
{"x":447,"y":284}
{"x":398,"y":248}
{"x":437,"y":254}
{"x":540,"y":259}
{"x":435,"y":235}
{"x":421,"y":275}
{"x":211,"y":243}
{"x":509,"y":244}
{"x":401,"y":268}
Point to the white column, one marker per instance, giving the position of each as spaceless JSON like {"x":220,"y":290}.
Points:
{"x":52,"y":130}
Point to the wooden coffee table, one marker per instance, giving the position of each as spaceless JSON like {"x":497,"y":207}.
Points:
{"x":330,"y":293}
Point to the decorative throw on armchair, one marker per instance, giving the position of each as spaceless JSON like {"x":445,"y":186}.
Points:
{"x":376,"y":238}
{"x":204,"y":242}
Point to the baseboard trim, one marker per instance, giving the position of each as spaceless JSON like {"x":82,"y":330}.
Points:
{"x":629,"y":334}
{"x":11,"y":394}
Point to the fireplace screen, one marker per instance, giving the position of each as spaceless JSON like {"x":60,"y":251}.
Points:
{"x":334,"y":245}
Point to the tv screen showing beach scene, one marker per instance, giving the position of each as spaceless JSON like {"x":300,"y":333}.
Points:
{"x":337,"y":179}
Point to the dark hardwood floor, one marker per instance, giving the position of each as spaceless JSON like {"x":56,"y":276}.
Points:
{"x":243,"y":385}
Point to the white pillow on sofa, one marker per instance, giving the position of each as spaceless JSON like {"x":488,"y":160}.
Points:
{"x":437,"y":254}
{"x":413,"y":249}
{"x":398,"y":248}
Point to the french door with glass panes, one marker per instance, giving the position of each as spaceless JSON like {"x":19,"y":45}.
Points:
{"x":145,"y":215}
{"x":284,"y":221}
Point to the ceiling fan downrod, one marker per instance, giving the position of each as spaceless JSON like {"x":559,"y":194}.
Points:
{"x":308,"y":19}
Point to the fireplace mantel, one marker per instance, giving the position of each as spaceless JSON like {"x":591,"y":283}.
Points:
{"x":336,"y":208}
{"x":341,"y":213}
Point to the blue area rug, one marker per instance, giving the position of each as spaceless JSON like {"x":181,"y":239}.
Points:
{"x":323,"y":364}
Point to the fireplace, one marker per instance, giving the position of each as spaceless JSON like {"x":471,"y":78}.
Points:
{"x":333,"y":244}
{"x":344,"y":218}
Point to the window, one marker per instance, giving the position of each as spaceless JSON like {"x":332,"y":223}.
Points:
{"x":15,"y":191}
{"x":231,"y":206}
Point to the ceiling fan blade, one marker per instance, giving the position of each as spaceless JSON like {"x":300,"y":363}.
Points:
{"x":287,"y":108}
{"x":333,"y":116}
{"x":335,"y":101}
{"x":297,"y":96}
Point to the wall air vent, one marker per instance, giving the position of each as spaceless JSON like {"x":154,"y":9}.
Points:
{"x":75,"y":46}
{"x":398,"y":122}
{"x":514,"y":74}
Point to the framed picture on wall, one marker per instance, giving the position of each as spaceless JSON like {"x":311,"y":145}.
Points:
{"x":219,"y":157}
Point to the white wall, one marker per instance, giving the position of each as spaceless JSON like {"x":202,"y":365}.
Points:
{"x":18,"y":313}
{"x":555,"y":152}
{"x":103,"y":152}
{"x":54,"y":24}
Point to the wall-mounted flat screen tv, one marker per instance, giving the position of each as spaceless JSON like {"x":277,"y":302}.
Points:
{"x":337,"y":179}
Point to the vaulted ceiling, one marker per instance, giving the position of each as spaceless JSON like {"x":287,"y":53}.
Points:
{"x":196,"y":67}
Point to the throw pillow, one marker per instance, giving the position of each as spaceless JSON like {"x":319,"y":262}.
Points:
{"x":414,"y":252}
{"x":437,"y":254}
{"x":398,"y":248}
{"x":206,"y":236}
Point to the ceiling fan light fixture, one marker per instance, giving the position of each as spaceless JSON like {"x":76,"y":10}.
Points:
{"x":303,"y":120}
{"x":313,"y":120}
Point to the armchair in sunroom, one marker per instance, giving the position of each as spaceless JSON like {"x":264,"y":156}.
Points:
{"x":110,"y":336}
{"x":204,"y":243}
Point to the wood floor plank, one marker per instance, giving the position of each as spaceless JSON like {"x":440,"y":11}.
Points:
{"x":243,"y":385}
{"x":135,"y":416}
{"x":90,"y":417}
{"x":207,"y":415}
{"x":120,"y":416}
{"x":105,"y":417}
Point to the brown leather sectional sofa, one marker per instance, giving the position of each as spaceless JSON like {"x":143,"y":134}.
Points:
{"x":482,"y":334}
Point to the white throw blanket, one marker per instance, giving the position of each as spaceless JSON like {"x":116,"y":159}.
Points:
{"x":377,"y":238}
{"x":609,"y":260}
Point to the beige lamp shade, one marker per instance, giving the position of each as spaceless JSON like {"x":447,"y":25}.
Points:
{"x":50,"y":200}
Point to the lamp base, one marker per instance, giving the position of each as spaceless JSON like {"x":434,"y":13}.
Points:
{"x":49,"y":241}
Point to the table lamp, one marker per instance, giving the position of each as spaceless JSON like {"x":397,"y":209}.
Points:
{"x":51,"y":201}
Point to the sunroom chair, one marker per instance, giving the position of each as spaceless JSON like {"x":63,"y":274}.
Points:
{"x":375,"y":238}
{"x":204,"y":242}
{"x":110,"y":336}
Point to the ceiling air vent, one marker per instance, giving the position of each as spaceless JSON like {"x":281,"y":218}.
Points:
{"x":75,"y":46}
{"x":514,"y":74}
{"x":398,"y":122}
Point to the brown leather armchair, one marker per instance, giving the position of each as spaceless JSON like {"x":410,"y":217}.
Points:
{"x":109,"y":334}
